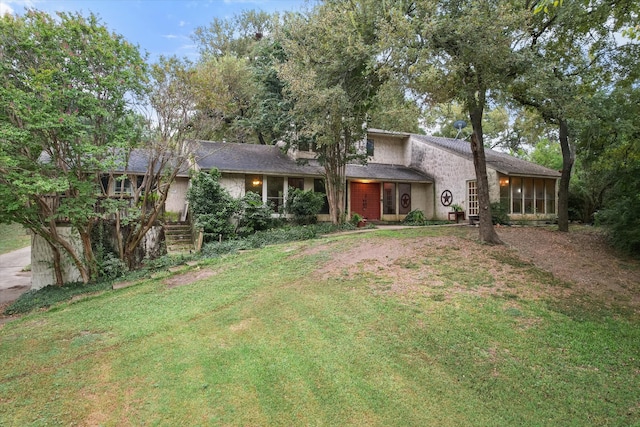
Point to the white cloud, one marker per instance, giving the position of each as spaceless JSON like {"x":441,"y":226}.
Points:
{"x":182,"y":23}
{"x":170,"y":36}
{"x":5,"y":9}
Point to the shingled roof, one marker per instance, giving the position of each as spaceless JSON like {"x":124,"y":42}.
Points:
{"x":502,"y":162}
{"x":270,"y":160}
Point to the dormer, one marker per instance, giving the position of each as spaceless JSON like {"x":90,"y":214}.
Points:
{"x":386,"y":147}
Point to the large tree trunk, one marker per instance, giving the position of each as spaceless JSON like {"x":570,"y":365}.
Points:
{"x":335,"y":180}
{"x":487,"y":232}
{"x":567,"y":165}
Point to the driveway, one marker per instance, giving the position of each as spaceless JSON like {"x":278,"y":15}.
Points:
{"x":13,"y":281}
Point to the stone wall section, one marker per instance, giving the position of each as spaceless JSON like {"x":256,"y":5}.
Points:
{"x":388,"y":150}
{"x":42,"y":273}
{"x":449,"y":172}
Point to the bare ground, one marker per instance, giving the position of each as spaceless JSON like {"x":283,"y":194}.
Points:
{"x":562,"y":265}
{"x":578,"y":263}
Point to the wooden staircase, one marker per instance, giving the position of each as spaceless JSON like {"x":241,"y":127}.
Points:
{"x":178,"y":237}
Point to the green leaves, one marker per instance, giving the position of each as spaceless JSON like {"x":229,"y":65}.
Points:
{"x":68,"y":88}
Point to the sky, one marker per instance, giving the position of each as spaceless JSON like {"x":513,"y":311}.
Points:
{"x":159,"y":27}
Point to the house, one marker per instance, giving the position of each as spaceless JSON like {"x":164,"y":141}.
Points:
{"x":403,"y":172}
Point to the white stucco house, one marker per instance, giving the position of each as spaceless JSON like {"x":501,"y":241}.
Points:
{"x":403,"y":172}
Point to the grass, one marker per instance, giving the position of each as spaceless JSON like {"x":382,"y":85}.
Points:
{"x":13,"y":236}
{"x":266,"y":340}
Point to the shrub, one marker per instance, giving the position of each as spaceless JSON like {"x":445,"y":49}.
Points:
{"x":499,"y":213}
{"x":211,"y":205}
{"x":621,"y":218}
{"x":112,"y":267}
{"x":255,"y":215}
{"x":415,"y":217}
{"x":304,"y":206}
{"x":51,"y":295}
{"x":356,"y":218}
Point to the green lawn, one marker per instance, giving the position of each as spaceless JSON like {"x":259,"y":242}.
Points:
{"x":12,"y":237}
{"x":271,"y":339}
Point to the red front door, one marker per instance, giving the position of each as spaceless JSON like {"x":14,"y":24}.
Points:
{"x":365,"y":200}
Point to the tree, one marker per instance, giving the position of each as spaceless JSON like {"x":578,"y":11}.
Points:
{"x":165,"y":151}
{"x":570,"y":49}
{"x":240,"y":90}
{"x":462,"y":51}
{"x":331,"y":80}
{"x":224,"y":91}
{"x":392,"y":110}
{"x":609,"y":171}
{"x":65,"y":115}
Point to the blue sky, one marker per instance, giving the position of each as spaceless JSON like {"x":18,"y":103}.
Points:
{"x":160,"y":27}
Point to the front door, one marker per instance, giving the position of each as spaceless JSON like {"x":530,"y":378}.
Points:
{"x":365,"y":200}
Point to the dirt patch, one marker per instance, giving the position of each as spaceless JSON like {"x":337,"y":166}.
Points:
{"x":581,"y":257}
{"x":188,"y":278}
{"x":534,"y":263}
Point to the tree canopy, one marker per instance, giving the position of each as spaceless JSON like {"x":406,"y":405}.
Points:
{"x":68,"y":85}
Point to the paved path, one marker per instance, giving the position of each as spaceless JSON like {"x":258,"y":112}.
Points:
{"x":13,"y":281}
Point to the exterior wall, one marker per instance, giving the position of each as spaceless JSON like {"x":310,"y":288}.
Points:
{"x":449,"y":171}
{"x":234,"y":183}
{"x":387,"y":150}
{"x":422,"y":198}
{"x":177,"y":197}
{"x":42,"y":273}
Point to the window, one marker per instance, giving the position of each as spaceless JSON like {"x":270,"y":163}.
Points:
{"x":516,"y":195}
{"x":296,"y":183}
{"x":504,"y":192}
{"x":370,"y":146}
{"x":253,"y":183}
{"x":528,"y":195}
{"x":318,"y":187}
{"x":404,"y":192}
{"x":306,"y":144}
{"x":389,"y":198}
{"x":122,"y":185}
{"x":275,"y":192}
{"x":550,"y":187}
{"x":538,"y":184}
{"x":472,"y":188}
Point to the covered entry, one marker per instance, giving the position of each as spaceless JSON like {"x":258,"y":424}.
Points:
{"x":365,"y":200}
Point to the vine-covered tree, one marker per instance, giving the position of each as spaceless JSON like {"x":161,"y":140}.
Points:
{"x":67,"y":85}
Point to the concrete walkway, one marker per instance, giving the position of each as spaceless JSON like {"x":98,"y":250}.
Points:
{"x":13,"y":281}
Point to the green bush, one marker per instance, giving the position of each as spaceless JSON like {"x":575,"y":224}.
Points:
{"x":415,"y":217}
{"x":270,"y":237}
{"x":212,"y":206}
{"x":304,"y":206}
{"x":499,"y":213}
{"x":356,"y":218}
{"x":254,"y":215}
{"x":621,"y":218}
